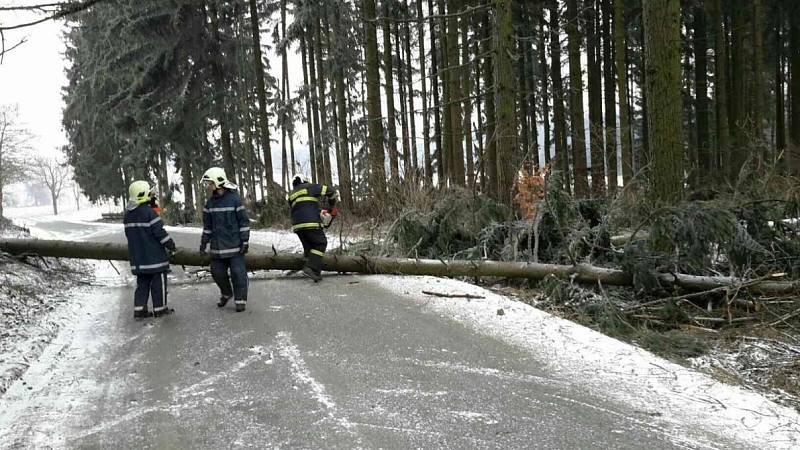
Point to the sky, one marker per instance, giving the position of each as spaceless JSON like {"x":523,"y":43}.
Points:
{"x":32,"y":76}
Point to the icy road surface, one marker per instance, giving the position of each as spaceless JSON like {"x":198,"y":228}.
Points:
{"x":357,"y":362}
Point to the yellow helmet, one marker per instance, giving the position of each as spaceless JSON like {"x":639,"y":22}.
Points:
{"x":139,"y":192}
{"x":217,"y":176}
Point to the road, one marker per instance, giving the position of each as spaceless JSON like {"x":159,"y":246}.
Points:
{"x":346,"y":363}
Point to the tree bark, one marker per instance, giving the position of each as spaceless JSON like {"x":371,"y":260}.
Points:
{"x":311,"y":128}
{"x":705,"y":156}
{"x":388,"y":75}
{"x":467,"y":94}
{"x":437,"y":110}
{"x":445,"y":73}
{"x":426,"y":123}
{"x":342,"y":157}
{"x":595,"y":99}
{"x":455,"y":76}
{"x":758,"y":71}
{"x":620,"y":50}
{"x":794,"y":90}
{"x":559,"y":112}
{"x":577,"y":127}
{"x":610,"y":100}
{"x":322,"y":77}
{"x":780,"y":92}
{"x":401,"y":83}
{"x":720,"y":87}
{"x":663,"y":66}
{"x":261,"y":92}
{"x":220,"y":90}
{"x":412,"y":115}
{"x":523,"y":109}
{"x":504,"y":90}
{"x":739,"y":119}
{"x":284,"y":102}
{"x":581,"y":273}
{"x":374,"y":118}
{"x":490,"y":156}
{"x":542,"y":53}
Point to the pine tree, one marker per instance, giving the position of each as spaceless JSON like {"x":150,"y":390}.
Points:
{"x":504,"y":91}
{"x":376,"y":154}
{"x":559,"y":112}
{"x":661,"y":20}
{"x":577,"y":128}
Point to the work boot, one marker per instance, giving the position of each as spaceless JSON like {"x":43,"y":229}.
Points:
{"x":163,"y":312}
{"x":223,"y":300}
{"x":310,"y":273}
{"x":240,"y":307}
{"x":141,"y":314}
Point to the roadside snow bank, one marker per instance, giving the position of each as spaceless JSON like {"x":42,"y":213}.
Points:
{"x":674,"y":394}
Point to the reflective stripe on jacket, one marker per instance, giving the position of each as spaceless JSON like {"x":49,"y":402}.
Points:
{"x":147,"y":240}
{"x":304,"y":201}
{"x":225,"y":224}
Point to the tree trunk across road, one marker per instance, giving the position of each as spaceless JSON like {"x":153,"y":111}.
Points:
{"x":581,"y":273}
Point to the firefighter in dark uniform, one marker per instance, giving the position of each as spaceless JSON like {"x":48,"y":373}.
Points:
{"x":227,"y":228}
{"x":149,"y":248}
{"x":309,"y":220}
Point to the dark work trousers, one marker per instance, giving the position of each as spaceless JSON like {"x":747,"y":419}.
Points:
{"x":150,"y":285}
{"x":314,"y":245}
{"x":238,"y":274}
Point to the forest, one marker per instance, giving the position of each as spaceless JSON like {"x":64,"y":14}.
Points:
{"x":683,"y":96}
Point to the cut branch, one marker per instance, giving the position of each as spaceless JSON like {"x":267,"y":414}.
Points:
{"x":440,"y":294}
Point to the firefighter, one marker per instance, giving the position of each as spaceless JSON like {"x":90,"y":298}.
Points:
{"x":227,"y":227}
{"x":309,"y":220}
{"x":149,"y":249}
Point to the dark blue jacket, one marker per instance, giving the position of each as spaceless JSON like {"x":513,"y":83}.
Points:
{"x":304,"y":201}
{"x":147,"y":240}
{"x":225,"y":225}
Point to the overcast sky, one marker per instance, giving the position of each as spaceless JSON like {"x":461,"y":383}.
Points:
{"x":32,"y":76}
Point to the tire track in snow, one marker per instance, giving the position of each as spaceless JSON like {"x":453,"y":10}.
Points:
{"x":302,"y":375}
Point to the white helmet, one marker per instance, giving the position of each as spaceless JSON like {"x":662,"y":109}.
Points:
{"x":300,"y":178}
{"x":217,"y":176}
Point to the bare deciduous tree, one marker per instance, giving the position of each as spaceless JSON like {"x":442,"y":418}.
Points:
{"x":14,"y":140}
{"x":52,"y":174}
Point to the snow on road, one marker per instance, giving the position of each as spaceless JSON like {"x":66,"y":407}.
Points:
{"x":674,"y":394}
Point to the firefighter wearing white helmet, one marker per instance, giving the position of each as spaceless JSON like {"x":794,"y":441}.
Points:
{"x":149,"y":247}
{"x":227,"y":228}
{"x":310,"y":218}
{"x":216,"y":175}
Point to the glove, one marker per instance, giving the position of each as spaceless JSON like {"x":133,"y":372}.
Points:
{"x":326,"y":218}
{"x":202,"y":249}
{"x":245,"y":248}
{"x":171,"y":252}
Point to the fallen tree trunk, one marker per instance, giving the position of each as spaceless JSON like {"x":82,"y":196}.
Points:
{"x":581,"y":273}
